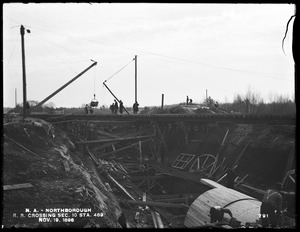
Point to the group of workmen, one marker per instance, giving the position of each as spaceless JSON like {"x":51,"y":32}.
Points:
{"x":114,"y":107}
{"x":270,"y":211}
{"x":88,"y":109}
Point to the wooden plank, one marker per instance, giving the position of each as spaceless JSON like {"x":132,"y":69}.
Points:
{"x":66,"y":166}
{"x":158,"y":220}
{"x":17,"y":186}
{"x":121,"y":187}
{"x":154,"y":219}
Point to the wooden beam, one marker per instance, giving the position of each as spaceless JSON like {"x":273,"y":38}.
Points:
{"x":140,"y":152}
{"x":158,"y":204}
{"x":124,"y":148}
{"x":168,"y":196}
{"x":107,"y":134}
{"x":106,"y":122}
{"x":154,"y":219}
{"x":218,"y":154}
{"x":138,"y":178}
{"x":240,"y":155}
{"x":158,"y":220}
{"x":114,"y":140}
{"x":289,"y":162}
{"x":121,"y":187}
{"x":93,"y":157}
{"x":160,"y":135}
{"x":104,"y":146}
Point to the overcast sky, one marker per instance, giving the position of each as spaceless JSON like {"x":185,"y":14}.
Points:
{"x":182,"y":49}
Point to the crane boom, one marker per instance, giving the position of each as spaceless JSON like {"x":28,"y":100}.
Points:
{"x":114,"y":96}
{"x":64,"y":86}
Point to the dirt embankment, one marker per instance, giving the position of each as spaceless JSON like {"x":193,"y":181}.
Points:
{"x":57,"y":176}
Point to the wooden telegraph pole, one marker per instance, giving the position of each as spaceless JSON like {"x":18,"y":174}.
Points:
{"x":22,"y":31}
{"x":135,"y":58}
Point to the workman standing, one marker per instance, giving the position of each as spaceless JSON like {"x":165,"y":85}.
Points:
{"x":135,"y":107}
{"x":86,"y":109}
{"x":112,"y":108}
{"x":187,"y":100}
{"x":217,"y":213}
{"x":271,"y":207}
{"x":91,"y":109}
{"x":121,"y":107}
{"x":116,"y":107}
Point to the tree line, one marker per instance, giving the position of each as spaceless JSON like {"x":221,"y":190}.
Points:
{"x":252,"y":103}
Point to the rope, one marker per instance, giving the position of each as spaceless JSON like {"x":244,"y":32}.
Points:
{"x":118,"y":71}
{"x":13,"y":50}
{"x":230,"y":203}
{"x":94,"y":82}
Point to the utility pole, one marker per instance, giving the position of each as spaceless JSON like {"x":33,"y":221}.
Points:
{"x":22,"y":31}
{"x":135,"y":58}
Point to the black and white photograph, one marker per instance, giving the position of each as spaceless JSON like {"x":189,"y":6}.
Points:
{"x":149,"y":115}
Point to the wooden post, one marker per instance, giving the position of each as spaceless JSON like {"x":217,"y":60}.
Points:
{"x":140,"y":151}
{"x":162,"y":101}
{"x":135,"y":58}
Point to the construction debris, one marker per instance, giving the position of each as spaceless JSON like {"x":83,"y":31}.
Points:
{"x":141,"y":174}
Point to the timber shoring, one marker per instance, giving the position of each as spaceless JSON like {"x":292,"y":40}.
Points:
{"x":199,"y":118}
